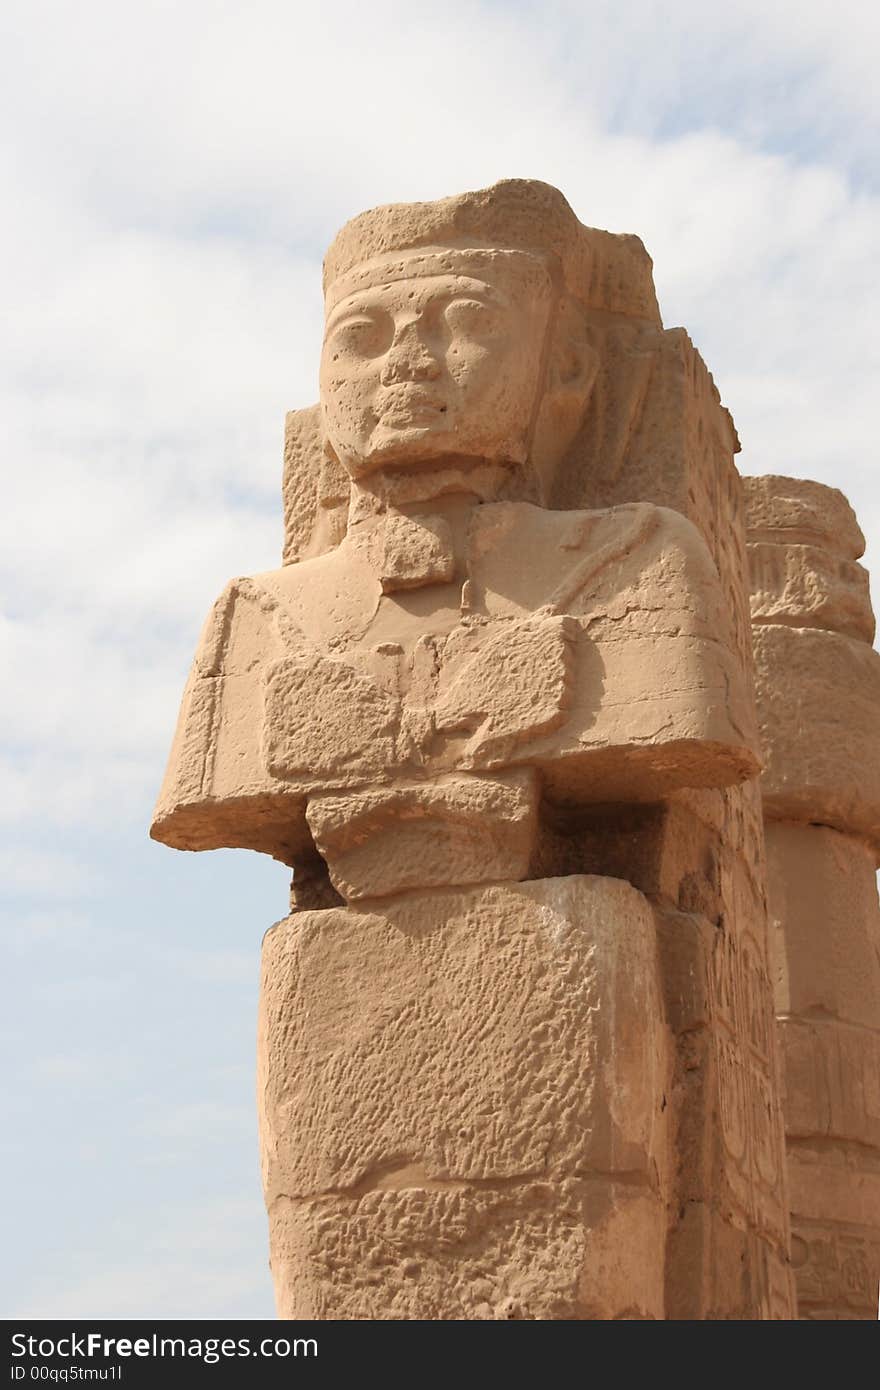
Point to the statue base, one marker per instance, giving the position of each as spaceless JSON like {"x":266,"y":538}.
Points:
{"x":465,"y":1104}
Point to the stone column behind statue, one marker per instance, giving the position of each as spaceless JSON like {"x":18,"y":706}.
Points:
{"x":515,"y":1053}
{"x":819,"y":702}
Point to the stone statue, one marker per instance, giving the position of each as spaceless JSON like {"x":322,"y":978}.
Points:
{"x":497,"y":713}
{"x":464,"y":651}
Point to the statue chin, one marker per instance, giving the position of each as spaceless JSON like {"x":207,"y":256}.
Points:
{"x":401,"y":446}
{"x":419,"y":464}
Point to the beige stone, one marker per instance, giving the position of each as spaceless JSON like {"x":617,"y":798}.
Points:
{"x":508,"y":650}
{"x":832,"y":1081}
{"x":834,"y":1186}
{"x":459,"y":829}
{"x":653,"y":429}
{"x":804,"y":586}
{"x":818,"y":686}
{"x":496,"y":1099}
{"x":824,"y":924}
{"x":835,"y":1267}
{"x":804,"y":541}
{"x":835,"y":1196}
{"x":818,"y":697}
{"x":313,"y":679}
{"x":794,"y":511}
{"x":536,"y":1250}
{"x":727,"y":1249}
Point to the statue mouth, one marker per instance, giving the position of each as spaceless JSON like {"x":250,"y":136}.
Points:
{"x":414,"y":407}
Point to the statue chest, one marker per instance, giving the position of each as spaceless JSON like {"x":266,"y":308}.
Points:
{"x":472,"y":696}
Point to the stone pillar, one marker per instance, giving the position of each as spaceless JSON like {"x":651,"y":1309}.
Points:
{"x":729,"y":1234}
{"x":818,"y":701}
{"x":496,"y":709}
{"x":479,"y":1128}
{"x":658,"y":432}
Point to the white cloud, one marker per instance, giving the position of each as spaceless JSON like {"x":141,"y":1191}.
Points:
{"x":172,"y":178}
{"x":46,"y":873}
{"x":207,"y":1261}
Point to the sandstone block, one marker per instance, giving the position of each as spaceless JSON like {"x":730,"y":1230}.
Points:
{"x":794,"y":511}
{"x":840,"y":1187}
{"x":824,"y":924}
{"x":725,"y":1271}
{"x":458,"y":830}
{"x":818,"y":696}
{"x":509,"y":638}
{"x":805,"y":586}
{"x":831,"y":1082}
{"x":485,"y":1071}
{"x":837,"y":1269}
{"x":525,"y":1251}
{"x":570,"y":665}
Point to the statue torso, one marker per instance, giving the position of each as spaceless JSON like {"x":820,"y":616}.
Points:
{"x":564,"y":658}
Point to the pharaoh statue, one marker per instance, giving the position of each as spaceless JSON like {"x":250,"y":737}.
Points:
{"x":496,"y":711}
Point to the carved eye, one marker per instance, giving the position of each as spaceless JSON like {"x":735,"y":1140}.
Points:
{"x":362,"y":335}
{"x":473,"y":318}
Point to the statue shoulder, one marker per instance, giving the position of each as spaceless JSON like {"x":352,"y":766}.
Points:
{"x":256,"y":614}
{"x":531,"y":557}
{"x":242,"y":611}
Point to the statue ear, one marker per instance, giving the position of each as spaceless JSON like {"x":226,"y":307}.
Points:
{"x":572,"y":369}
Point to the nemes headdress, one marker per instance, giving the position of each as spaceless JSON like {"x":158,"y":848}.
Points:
{"x":595,"y":273}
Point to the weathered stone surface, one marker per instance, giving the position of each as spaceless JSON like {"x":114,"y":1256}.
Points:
{"x":510,"y":641}
{"x":315,"y":488}
{"x":534,"y":1250}
{"x":311,"y":678}
{"x":818,"y":696}
{"x":458,"y":830}
{"x":818,"y":686}
{"x":832,"y":1080}
{"x":835,"y":1184}
{"x":798,"y":511}
{"x":824,"y":924}
{"x":836,"y":1269}
{"x":805,"y":586}
{"x":473,"y":1083}
{"x":726,"y":1247}
{"x":217,"y":789}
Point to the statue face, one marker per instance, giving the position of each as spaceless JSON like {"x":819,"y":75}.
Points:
{"x":435,"y":364}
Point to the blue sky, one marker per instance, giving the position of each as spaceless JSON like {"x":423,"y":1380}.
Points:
{"x":172,"y":173}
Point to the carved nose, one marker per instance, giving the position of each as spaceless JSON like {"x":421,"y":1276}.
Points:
{"x":409,"y":358}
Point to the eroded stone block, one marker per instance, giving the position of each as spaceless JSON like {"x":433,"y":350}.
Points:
{"x":495,"y":1052}
{"x":831,"y":1081}
{"x":837,"y":1269}
{"x":793,"y":511}
{"x":824,"y":924}
{"x":818,"y":696}
{"x":806,"y":586}
{"x":457,"y":830}
{"x":520,"y":1251}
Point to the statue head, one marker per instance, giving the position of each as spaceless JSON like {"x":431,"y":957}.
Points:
{"x":435,"y":355}
{"x":457,"y":349}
